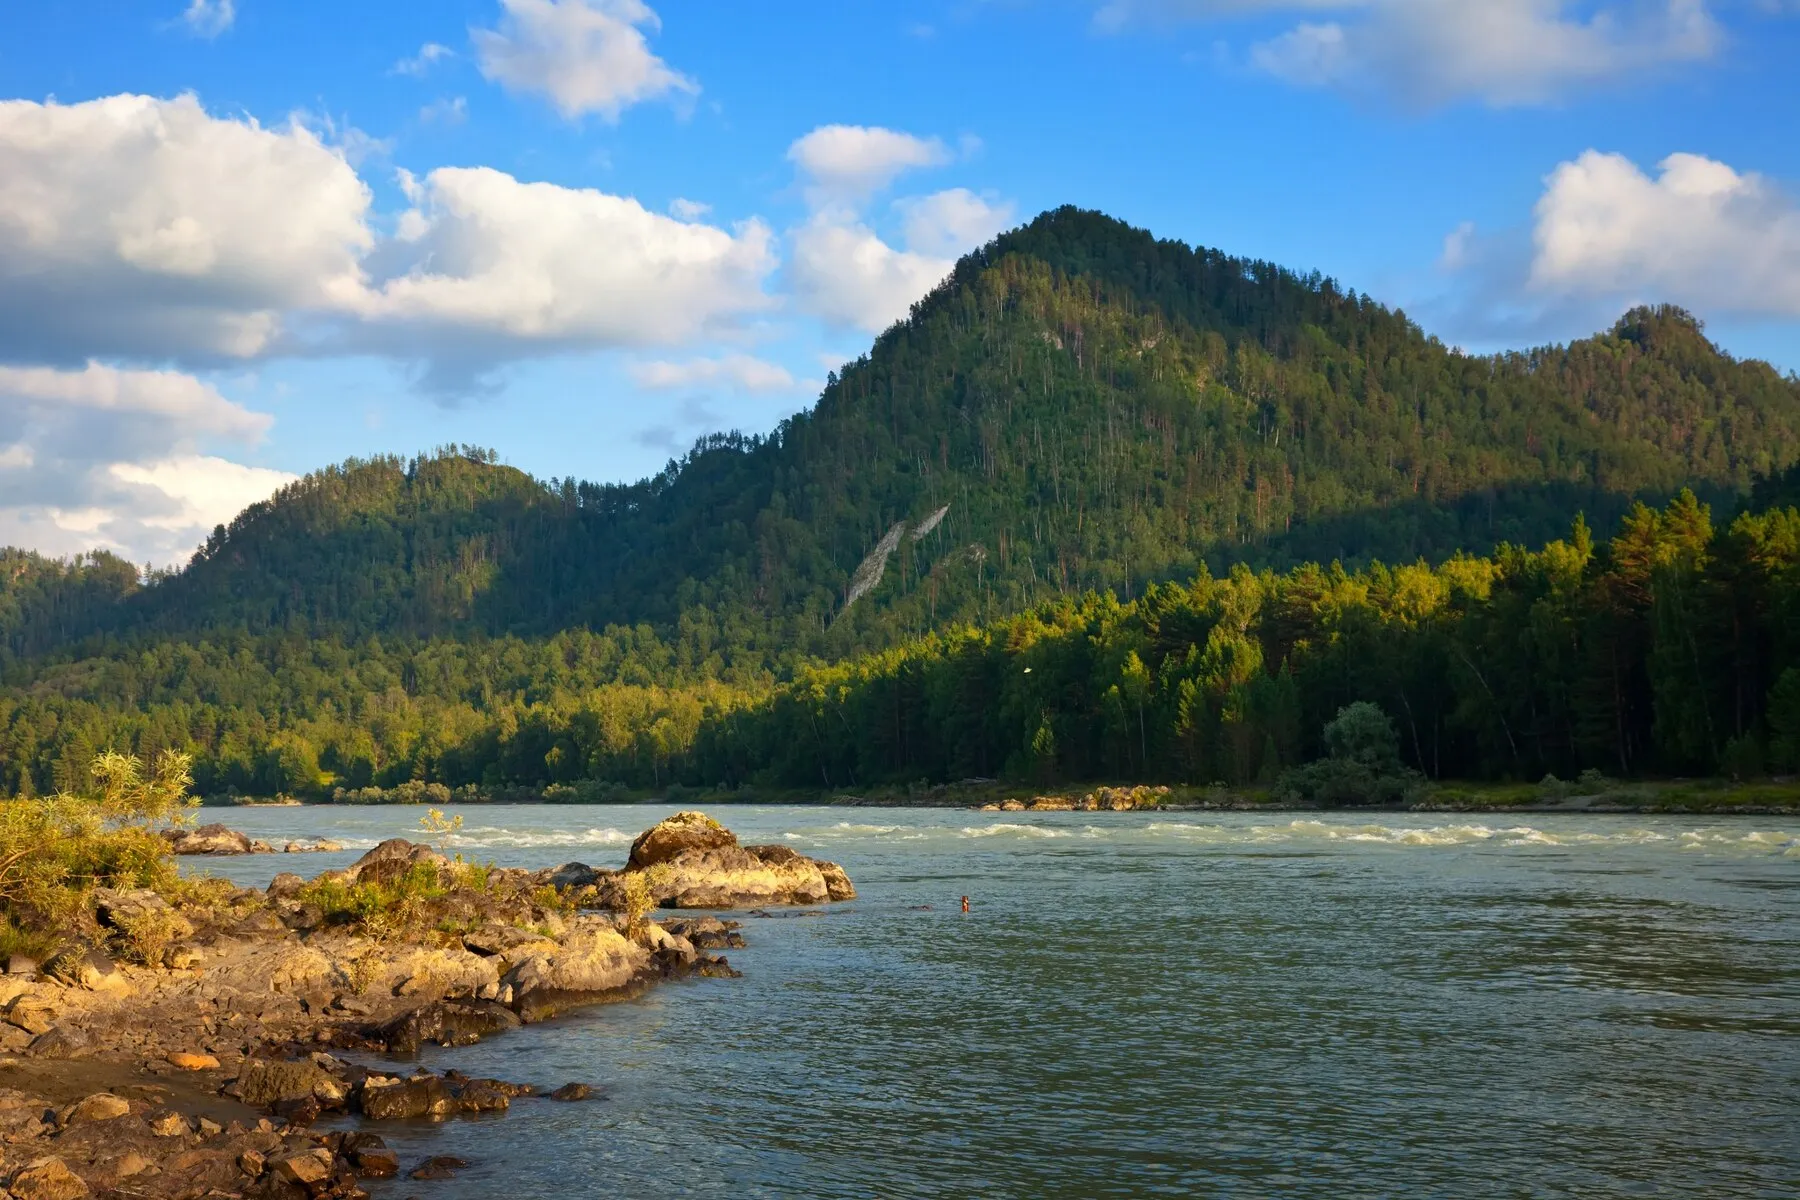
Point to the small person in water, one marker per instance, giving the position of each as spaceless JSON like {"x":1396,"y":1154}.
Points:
{"x":965,"y":904}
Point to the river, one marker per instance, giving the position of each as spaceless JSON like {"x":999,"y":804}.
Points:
{"x":1141,"y":1004}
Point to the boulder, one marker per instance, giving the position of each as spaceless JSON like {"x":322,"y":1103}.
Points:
{"x":59,"y":1041}
{"x":88,"y":968}
{"x":192,"y":1062}
{"x":375,"y":1162}
{"x":126,"y":910}
{"x":707,"y":933}
{"x":307,"y":1168}
{"x":47,"y":1178}
{"x":438,"y":1166}
{"x":446,"y":1023}
{"x":691,"y":861}
{"x":408,"y":1099}
{"x":286,"y":886}
{"x":101,"y":1106}
{"x":392,"y":859}
{"x":572,"y":875}
{"x":169,"y":1125}
{"x":208,"y":839}
{"x":262,"y":1082}
{"x":22,"y":964}
{"x":31,"y":1013}
{"x":571,"y":1092}
{"x":593,"y":960}
{"x":837,"y":881}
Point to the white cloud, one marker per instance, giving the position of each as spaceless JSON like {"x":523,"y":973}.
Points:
{"x":143,"y":227}
{"x":585,"y":56}
{"x":420,"y":63}
{"x":683,"y":209}
{"x":445,"y":111}
{"x":952,"y":222}
{"x":841,"y":269}
{"x":1699,"y":234}
{"x":107,"y":458}
{"x":485,"y":263}
{"x":849,"y":162}
{"x":842,"y":272}
{"x":739,"y":371}
{"x":146,"y":229}
{"x":1505,"y":52}
{"x":209,"y":18}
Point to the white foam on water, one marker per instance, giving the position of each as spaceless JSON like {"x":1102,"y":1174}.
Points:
{"x":486,"y":836}
{"x":1005,"y":829}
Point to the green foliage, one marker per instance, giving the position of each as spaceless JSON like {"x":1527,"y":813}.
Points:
{"x":1362,"y":765}
{"x":54,"y":850}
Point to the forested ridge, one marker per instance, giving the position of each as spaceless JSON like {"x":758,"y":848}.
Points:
{"x":1081,"y":425}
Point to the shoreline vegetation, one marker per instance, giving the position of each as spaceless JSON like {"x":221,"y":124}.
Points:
{"x":170,"y":1036}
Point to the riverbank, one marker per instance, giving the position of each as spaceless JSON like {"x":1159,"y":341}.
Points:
{"x":184,"y":1044}
{"x":1778,"y":797}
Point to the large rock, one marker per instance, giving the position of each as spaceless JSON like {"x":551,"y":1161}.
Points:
{"x":48,"y":1179}
{"x":392,"y":859}
{"x":208,"y":839}
{"x":263,"y":1082}
{"x":682,"y":834}
{"x":691,"y":861}
{"x":101,"y":1106}
{"x":83,"y":967}
{"x":129,"y":910}
{"x":408,"y":1099}
{"x":447,"y":1023}
{"x":32,"y":1013}
{"x":594,"y":959}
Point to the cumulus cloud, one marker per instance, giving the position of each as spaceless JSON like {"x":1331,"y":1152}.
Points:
{"x":485,"y":264}
{"x":951,"y":222}
{"x":844,"y":273}
{"x":584,"y":56}
{"x":107,"y":458}
{"x":1699,"y":233}
{"x":841,"y":269}
{"x":849,"y":162}
{"x":739,"y":371}
{"x":147,"y":228}
{"x":1505,"y":52}
{"x":209,"y":18}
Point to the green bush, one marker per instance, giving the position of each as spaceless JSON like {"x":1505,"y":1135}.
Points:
{"x":1363,"y":766}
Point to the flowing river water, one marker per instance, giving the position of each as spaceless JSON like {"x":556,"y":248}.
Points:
{"x":1142,"y":1004}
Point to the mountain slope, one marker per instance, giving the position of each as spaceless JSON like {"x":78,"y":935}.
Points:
{"x":1096,"y":408}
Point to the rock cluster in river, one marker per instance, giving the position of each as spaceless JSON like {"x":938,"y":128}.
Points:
{"x":218,"y":840}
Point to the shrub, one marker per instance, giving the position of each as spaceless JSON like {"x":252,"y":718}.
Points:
{"x":1363,"y":765}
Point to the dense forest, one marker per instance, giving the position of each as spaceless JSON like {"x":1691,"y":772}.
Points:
{"x":1119,"y":462}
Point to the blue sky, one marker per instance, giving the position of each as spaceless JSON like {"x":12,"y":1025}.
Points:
{"x":240,"y":239}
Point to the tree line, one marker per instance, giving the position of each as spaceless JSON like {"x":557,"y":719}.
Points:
{"x":1671,"y":648}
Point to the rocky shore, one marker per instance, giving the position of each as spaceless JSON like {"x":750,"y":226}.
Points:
{"x":184,"y":1046}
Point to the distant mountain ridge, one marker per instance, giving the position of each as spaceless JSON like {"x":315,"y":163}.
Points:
{"x":1085,"y":406}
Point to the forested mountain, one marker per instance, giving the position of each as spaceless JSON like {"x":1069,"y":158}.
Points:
{"x":1096,"y":408}
{"x":1078,"y":409}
